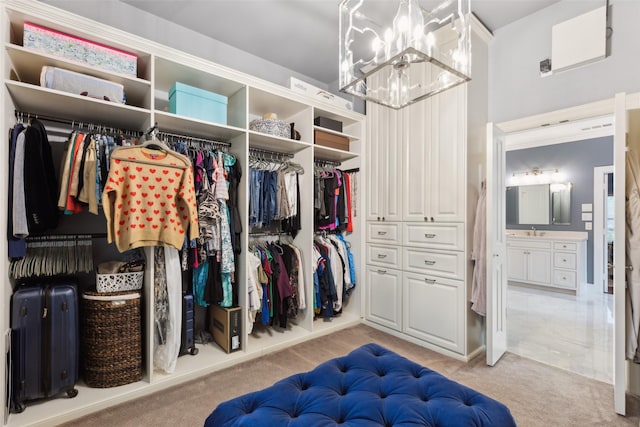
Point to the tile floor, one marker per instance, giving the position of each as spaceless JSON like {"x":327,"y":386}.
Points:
{"x":567,"y":331}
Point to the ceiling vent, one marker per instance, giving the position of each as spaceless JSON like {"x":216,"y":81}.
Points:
{"x":580,"y":40}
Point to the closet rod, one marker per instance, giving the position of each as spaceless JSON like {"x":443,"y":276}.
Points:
{"x":194,"y":138}
{"x":327,"y":162}
{"x":277,"y":154}
{"x":21,"y":115}
{"x":351,"y":170}
{"x":65,"y":237}
{"x":269,"y":233}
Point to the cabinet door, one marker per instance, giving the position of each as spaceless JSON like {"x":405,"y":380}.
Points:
{"x":417,"y":161}
{"x":448,"y":156}
{"x":384,"y":157}
{"x":539,"y":266}
{"x":374,"y":153}
{"x":384,"y":297}
{"x":516,"y":264}
{"x":433,"y":310}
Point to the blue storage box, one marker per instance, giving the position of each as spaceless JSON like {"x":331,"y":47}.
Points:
{"x":197,"y":103}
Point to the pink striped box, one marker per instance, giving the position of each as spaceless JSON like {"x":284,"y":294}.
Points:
{"x":76,"y":49}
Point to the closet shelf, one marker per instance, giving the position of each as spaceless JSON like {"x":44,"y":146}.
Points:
{"x":275,"y":143}
{"x":199,"y":128}
{"x":28,"y":64}
{"x":38,"y":100}
{"x":332,"y":154}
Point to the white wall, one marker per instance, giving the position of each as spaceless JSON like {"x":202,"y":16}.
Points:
{"x":515,"y":87}
{"x":135,"y":21}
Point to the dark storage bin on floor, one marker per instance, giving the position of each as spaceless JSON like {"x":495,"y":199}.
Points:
{"x":111,"y":338}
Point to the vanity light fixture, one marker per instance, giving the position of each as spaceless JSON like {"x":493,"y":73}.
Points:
{"x":537,"y":176}
{"x":415,"y":55}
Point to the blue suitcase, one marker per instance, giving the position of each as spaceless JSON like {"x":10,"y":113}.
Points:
{"x":187,"y":342}
{"x":44,"y":343}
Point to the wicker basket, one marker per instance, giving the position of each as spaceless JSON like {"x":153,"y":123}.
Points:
{"x":119,"y":282}
{"x":111,"y":338}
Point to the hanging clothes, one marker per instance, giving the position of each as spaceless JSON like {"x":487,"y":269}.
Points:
{"x":17,"y":228}
{"x":478,"y":256}
{"x":333,"y":205}
{"x":149,"y":199}
{"x":40,"y":181}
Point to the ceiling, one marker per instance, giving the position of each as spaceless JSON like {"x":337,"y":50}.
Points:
{"x":301,"y":35}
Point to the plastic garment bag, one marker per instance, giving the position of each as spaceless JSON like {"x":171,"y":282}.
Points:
{"x":168,"y":311}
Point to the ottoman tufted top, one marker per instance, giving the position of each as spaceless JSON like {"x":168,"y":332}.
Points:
{"x":371,"y":386}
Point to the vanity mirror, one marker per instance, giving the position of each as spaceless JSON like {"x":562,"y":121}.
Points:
{"x":539,"y":204}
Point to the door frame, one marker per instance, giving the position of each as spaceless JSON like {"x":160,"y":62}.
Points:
{"x":617,"y":107}
{"x":599,"y":227}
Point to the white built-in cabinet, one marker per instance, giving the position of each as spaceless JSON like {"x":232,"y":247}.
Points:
{"x":424,"y":249}
{"x":553,"y":259}
{"x":147,"y":104}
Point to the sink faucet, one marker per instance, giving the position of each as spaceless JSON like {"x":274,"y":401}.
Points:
{"x":533,"y":228}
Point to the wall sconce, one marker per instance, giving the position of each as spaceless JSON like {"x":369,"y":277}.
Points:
{"x":537,"y":176}
{"x":418,"y":54}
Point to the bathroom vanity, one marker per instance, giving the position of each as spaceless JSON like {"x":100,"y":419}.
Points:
{"x":555,"y":259}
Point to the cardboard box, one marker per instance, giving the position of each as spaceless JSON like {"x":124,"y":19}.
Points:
{"x":76,"y":49}
{"x":197,"y":103}
{"x":330,"y":140}
{"x":224,"y":325}
{"x":328,"y":123}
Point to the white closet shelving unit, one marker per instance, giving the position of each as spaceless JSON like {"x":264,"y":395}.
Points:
{"x":147,"y":104}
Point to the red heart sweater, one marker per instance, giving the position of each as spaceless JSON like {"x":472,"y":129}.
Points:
{"x":149,"y":198}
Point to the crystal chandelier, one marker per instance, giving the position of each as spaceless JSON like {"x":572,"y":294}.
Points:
{"x":418,"y":54}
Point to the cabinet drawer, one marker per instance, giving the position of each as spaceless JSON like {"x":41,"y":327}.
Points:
{"x":529,"y":243}
{"x":564,"y":279}
{"x":565,"y":246}
{"x":381,"y":232}
{"x":388,"y":256}
{"x":436,"y":236}
{"x":444,"y":264}
{"x":564,"y":260}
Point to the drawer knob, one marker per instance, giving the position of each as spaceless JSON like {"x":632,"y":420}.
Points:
{"x":564,"y":260}
{"x":382,"y":255}
{"x":564,"y":278}
{"x":429,"y":262}
{"x":430,"y":281}
{"x":381,"y":233}
{"x":564,"y":246}
{"x":429,"y":235}
{"x":382,"y":271}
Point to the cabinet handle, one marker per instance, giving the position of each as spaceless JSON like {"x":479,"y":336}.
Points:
{"x":564,"y":260}
{"x":432,"y":219}
{"x":564,"y":246}
{"x":381,"y":233}
{"x":382,"y":271}
{"x":429,"y":235}
{"x":378,"y":218}
{"x":426,"y":218}
{"x":383,"y":218}
{"x":429,"y":262}
{"x":382,"y":255}
{"x":430,"y":281}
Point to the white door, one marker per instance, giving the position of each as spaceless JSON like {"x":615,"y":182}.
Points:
{"x":619,"y":254}
{"x":600,"y":223}
{"x":496,"y":247}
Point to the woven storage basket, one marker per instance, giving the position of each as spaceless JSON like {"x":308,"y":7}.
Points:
{"x":111,"y":338}
{"x":119,"y":282}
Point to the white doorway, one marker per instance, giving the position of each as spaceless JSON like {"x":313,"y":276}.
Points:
{"x":575,"y":115}
{"x":603,"y":228}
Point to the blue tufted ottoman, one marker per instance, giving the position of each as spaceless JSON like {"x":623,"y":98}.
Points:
{"x":371,"y":386}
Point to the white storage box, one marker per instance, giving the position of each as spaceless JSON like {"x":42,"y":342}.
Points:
{"x":81,"y":84}
{"x":300,"y":86}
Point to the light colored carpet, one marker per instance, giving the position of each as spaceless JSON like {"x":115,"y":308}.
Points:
{"x":536,"y":394}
